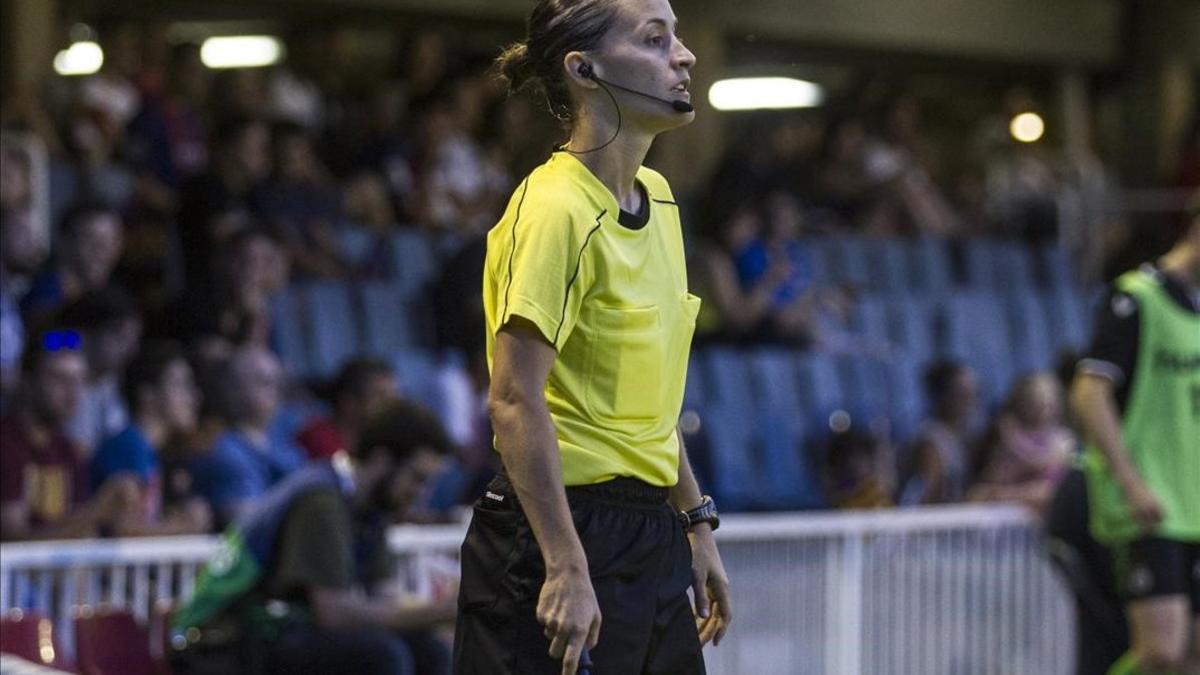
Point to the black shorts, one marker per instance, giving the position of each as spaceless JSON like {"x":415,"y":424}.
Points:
{"x":641,"y":567}
{"x":1154,"y":567}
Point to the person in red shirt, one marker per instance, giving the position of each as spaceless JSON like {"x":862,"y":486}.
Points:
{"x":43,"y":484}
{"x":362,"y":387}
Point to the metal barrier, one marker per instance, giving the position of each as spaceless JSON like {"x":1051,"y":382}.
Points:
{"x":949,"y":590}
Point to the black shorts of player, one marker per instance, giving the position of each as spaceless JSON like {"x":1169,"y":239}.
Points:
{"x":640,"y":564}
{"x":1155,"y":567}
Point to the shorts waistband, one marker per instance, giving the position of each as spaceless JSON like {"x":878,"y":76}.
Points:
{"x":621,"y":490}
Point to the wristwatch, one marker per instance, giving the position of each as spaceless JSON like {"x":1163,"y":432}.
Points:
{"x":705,"y":513}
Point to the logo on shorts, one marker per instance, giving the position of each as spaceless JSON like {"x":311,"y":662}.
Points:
{"x":1141,"y":580}
{"x":492,"y":495}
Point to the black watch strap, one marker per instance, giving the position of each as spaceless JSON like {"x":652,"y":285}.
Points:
{"x":705,"y":513}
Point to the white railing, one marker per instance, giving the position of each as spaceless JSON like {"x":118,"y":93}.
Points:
{"x":949,"y":590}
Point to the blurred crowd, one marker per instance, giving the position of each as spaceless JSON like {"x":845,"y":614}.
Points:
{"x":143,"y":391}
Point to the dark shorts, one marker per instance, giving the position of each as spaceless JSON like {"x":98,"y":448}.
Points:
{"x":641,"y":567}
{"x":1153,"y":567}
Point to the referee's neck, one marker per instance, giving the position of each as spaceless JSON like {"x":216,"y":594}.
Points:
{"x":617,"y":164}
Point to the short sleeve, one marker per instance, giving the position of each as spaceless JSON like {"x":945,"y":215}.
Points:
{"x":1114,"y":349}
{"x":122,"y":454}
{"x":545,"y":270}
{"x":226,"y":480}
{"x":315,"y":546}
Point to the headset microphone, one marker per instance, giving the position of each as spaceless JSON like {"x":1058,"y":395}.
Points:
{"x":678,"y":106}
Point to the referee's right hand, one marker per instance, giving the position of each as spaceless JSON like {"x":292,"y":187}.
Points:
{"x":568,"y":611}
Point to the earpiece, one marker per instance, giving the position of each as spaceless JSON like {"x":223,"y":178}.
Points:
{"x":585,"y":70}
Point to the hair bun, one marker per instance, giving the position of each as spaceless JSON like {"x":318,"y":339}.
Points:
{"x":516,"y":66}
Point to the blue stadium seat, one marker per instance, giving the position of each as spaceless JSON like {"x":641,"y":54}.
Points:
{"x":356,"y":243}
{"x":820,"y":387}
{"x":786,"y":477}
{"x":734,"y":478}
{"x":726,"y":377}
{"x":906,"y":396}
{"x":912,"y":327}
{"x":821,"y":259}
{"x":850,"y":263}
{"x":929,"y":265}
{"x":694,"y":392}
{"x":774,"y":374}
{"x":288,"y":335}
{"x":888,"y":266}
{"x":871,"y":318}
{"x":331,"y":325}
{"x":977,"y":334}
{"x":1070,"y":318}
{"x":415,"y":261}
{"x":864,"y":384}
{"x":387,"y":320}
{"x":1033,"y":347}
{"x":1057,"y":270}
{"x":981,"y":261}
{"x":1014,"y":266}
{"x":417,"y":371}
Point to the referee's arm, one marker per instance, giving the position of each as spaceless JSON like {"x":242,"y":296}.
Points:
{"x":528,"y":445}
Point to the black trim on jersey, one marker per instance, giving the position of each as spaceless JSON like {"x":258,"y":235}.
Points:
{"x":513,"y":251}
{"x":636,"y":221}
{"x":578,"y":262}
{"x":665,"y":201}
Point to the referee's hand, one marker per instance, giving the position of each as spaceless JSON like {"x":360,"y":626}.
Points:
{"x":710,"y":586}
{"x":570,"y":615}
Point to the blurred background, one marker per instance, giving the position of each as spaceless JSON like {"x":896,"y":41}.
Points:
{"x":294,"y":195}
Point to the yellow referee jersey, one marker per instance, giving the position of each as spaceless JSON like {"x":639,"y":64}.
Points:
{"x":612,"y":298}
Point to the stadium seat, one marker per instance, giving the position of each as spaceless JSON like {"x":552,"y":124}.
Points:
{"x":331,"y":325}
{"x":356,"y":243}
{"x":864,"y":384}
{"x":694,"y":393}
{"x":110,"y":642}
{"x":287,"y":321}
{"x":929,"y":265}
{"x":820,"y":387}
{"x":887,"y":266}
{"x":1014,"y":266}
{"x":912,"y":327}
{"x":387,"y":322}
{"x":726,"y":378}
{"x":906,"y":396}
{"x":977,"y":334}
{"x":1033,"y":347}
{"x":30,"y":636}
{"x":785,"y":474}
{"x":417,"y":371}
{"x":850,"y":263}
{"x":821,"y":260}
{"x":1057,"y":270}
{"x":981,"y":264}
{"x":415,"y":261}
{"x":1070,"y":318}
{"x":734,"y":480}
{"x":871,"y":320}
{"x":773,"y":372}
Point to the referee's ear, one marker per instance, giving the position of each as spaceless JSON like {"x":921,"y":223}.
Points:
{"x":579,"y":70}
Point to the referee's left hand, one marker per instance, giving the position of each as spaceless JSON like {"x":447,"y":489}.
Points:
{"x":710,"y":585}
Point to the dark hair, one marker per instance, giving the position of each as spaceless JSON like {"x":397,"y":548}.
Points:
{"x":49,"y":338}
{"x":554,"y":28}
{"x":147,"y":370}
{"x":81,"y":212}
{"x":402,"y":428}
{"x":939,"y":378}
{"x":356,"y":374}
{"x":100,"y":309}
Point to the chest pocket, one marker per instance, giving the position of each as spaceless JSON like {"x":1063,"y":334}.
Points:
{"x":625,"y":364}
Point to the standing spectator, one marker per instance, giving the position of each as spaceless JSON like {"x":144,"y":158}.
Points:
{"x":246,"y":459}
{"x":1026,"y":452}
{"x":216,"y":204}
{"x":111,"y":327}
{"x":20,"y":255}
{"x":167,"y":140}
{"x":43,"y":483}
{"x":362,"y":387}
{"x":940,"y":453}
{"x":302,"y":204}
{"x":165,"y":404}
{"x":304,"y":564}
{"x":91,"y":238}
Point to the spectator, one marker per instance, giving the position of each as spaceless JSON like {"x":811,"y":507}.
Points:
{"x":251,"y":268}
{"x":167,"y":139}
{"x":940,"y":458}
{"x":1026,"y":452}
{"x":20,"y":255}
{"x":246,"y":460}
{"x":849,"y":188}
{"x":43,"y":484}
{"x":300,"y":202}
{"x":165,"y":404}
{"x":111,"y":327}
{"x":389,"y":151}
{"x":91,"y":238}
{"x":217,"y":204}
{"x":854,"y":474}
{"x":370,"y":210}
{"x":362,"y":387}
{"x":315,"y":546}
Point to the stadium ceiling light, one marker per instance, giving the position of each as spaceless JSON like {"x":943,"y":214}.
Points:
{"x":241,"y":51}
{"x":1027,"y":127}
{"x":81,"y":58}
{"x":764,"y":93}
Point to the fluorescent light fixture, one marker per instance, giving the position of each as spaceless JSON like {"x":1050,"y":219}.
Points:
{"x":241,"y":51}
{"x":1027,"y":127}
{"x":760,"y":93}
{"x":81,"y":58}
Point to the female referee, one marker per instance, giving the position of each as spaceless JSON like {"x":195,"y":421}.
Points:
{"x":588,"y":540}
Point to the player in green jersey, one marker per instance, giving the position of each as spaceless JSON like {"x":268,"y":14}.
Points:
{"x":1137,"y":396}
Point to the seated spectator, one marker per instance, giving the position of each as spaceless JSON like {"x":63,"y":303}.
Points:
{"x":165,"y":404}
{"x":939,"y":455}
{"x":111,"y":327}
{"x":20,"y":256}
{"x":362,"y":387}
{"x":1027,"y":450}
{"x":854,"y":473}
{"x":91,"y":238}
{"x":236,"y":310}
{"x":300,"y":202}
{"x":246,"y":460}
{"x":43,"y":484}
{"x":216,"y":204}
{"x":314,"y":549}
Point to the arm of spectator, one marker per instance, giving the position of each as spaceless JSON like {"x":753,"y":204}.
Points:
{"x":113,"y":502}
{"x":739,"y":311}
{"x":929,"y":469}
{"x":193,"y":517}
